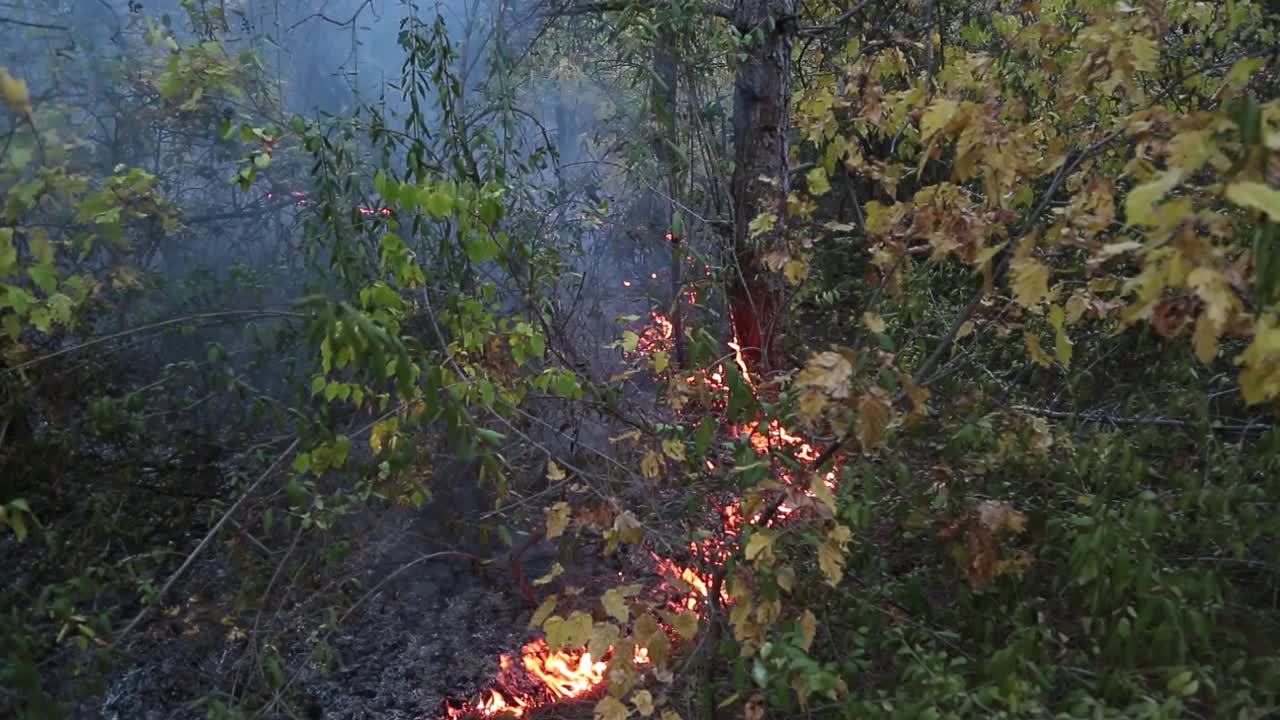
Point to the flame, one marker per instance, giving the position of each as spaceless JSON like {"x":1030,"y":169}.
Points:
{"x":565,"y":675}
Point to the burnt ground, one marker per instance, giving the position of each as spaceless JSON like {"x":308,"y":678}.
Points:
{"x":422,"y":632}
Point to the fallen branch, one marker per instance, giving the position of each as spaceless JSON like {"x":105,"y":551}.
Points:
{"x":1098,"y":417}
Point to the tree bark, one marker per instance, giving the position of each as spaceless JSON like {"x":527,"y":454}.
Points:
{"x":761,"y":135}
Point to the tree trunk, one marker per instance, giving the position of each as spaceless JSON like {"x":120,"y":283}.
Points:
{"x":662,"y":100}
{"x":761,"y":137}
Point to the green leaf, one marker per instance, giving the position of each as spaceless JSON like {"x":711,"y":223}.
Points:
{"x":438,"y":203}
{"x":817,"y":182}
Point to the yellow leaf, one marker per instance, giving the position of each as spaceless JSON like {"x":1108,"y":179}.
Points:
{"x":556,"y":570}
{"x":1062,"y":345}
{"x":786,"y":577}
{"x":628,"y":527}
{"x":15,"y":94}
{"x":1257,"y":196}
{"x":795,"y":271}
{"x":603,"y":636}
{"x":1030,"y":281}
{"x":919,"y":395}
{"x":966,"y":329}
{"x":651,"y":465}
{"x":544,"y":611}
{"x":557,"y":519}
{"x":831,"y":554}
{"x":822,"y":493}
{"x":643,"y":702}
{"x":1205,"y":339}
{"x":809,"y":628}
{"x":610,"y":708}
{"x":686,"y":624}
{"x":674,"y":449}
{"x":1139,"y":206}
{"x":660,"y":361}
{"x":615,"y":604}
{"x":1038,"y":354}
{"x":760,"y":548}
{"x":1220,"y":303}
{"x":554,"y":471}
{"x":1260,"y":379}
{"x":938,"y":116}
{"x":873,"y":322}
{"x":812,"y":401}
{"x":874,"y":414}
{"x":670,"y":715}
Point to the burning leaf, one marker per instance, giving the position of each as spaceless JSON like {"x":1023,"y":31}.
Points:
{"x":643,"y":702}
{"x":615,"y":604}
{"x":808,"y":628}
{"x":651,"y":465}
{"x":829,"y":371}
{"x":874,"y":413}
{"x":544,"y":611}
{"x":556,"y":570}
{"x":1030,"y":281}
{"x":874,"y":322}
{"x":554,"y":471}
{"x":610,"y":708}
{"x":831,"y":554}
{"x":557,"y":519}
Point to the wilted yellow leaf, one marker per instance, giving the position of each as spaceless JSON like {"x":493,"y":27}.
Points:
{"x":628,"y":527}
{"x":686,"y":624}
{"x":643,"y":702}
{"x":651,"y":465}
{"x":795,"y":271}
{"x":615,"y":604}
{"x":674,"y":449}
{"x":965,"y":329}
{"x":1139,"y":206}
{"x":809,"y":627}
{"x":874,"y":414}
{"x":809,"y":409}
{"x":1030,"y":281}
{"x":557,"y":519}
{"x":556,"y":570}
{"x":603,"y":636}
{"x":611,"y":708}
{"x":544,"y":611}
{"x":1062,"y":344}
{"x":817,"y":181}
{"x":1257,"y":196}
{"x":937,"y":117}
{"x":831,"y":554}
{"x":1205,"y":339}
{"x":15,"y":94}
{"x":660,"y":361}
{"x":874,"y":322}
{"x":760,"y":548}
{"x":998,"y":515}
{"x":573,"y":632}
{"x":828,"y":371}
{"x":1038,"y":355}
{"x":554,"y":471}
